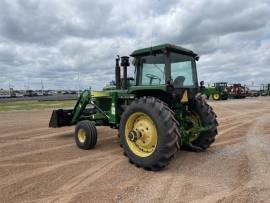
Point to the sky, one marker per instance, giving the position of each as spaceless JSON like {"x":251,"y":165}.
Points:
{"x":72,"y":44}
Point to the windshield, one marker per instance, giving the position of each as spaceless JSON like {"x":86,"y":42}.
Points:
{"x":181,"y":70}
{"x":153,"y":70}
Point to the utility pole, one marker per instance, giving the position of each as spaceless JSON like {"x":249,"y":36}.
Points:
{"x":9,"y":88}
{"x":42,"y":87}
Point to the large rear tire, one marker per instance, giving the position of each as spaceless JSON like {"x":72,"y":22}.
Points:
{"x":207,"y":118}
{"x":224,"y":96}
{"x":86,"y":135}
{"x":149,"y":133}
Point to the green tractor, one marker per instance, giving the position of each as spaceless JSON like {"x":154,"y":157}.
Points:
{"x":217,"y":92}
{"x":157,"y":111}
{"x":223,"y":89}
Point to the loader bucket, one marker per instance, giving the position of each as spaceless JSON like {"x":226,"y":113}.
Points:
{"x":61,"y":118}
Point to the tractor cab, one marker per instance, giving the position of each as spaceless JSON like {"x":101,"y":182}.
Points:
{"x":165,"y":64}
{"x":159,"y":71}
{"x":221,"y":86}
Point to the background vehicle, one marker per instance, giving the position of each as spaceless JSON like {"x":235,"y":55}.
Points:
{"x":253,"y":93}
{"x":265,"y":90}
{"x":157,"y":112}
{"x":30,"y":93}
{"x":217,"y":92}
{"x":238,"y":91}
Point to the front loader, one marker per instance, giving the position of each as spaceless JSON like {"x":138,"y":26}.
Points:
{"x":157,"y":112}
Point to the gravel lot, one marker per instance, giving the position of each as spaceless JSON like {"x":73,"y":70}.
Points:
{"x":38,"y":164}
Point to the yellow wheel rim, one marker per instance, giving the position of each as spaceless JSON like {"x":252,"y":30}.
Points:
{"x":81,"y":135}
{"x":216,"y":96}
{"x":196,"y":121}
{"x":143,"y":127}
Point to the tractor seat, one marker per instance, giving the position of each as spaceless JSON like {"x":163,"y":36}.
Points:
{"x":179,"y":81}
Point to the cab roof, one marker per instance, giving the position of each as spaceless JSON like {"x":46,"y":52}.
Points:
{"x":159,"y":48}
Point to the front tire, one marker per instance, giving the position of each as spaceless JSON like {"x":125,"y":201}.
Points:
{"x":149,"y":133}
{"x":216,"y":96}
{"x":86,"y":135}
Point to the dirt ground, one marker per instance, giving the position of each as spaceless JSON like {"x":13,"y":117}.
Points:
{"x":38,"y":164}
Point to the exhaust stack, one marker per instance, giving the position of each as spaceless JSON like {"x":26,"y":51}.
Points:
{"x":117,"y":73}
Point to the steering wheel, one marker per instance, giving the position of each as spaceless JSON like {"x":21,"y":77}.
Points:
{"x":152,"y":77}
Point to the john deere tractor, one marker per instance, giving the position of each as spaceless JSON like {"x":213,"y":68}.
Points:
{"x":217,"y":92}
{"x":157,"y":112}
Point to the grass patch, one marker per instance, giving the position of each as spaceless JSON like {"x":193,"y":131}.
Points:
{"x":36,"y":105}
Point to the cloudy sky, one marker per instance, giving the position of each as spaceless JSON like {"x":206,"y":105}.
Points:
{"x":72,"y":44}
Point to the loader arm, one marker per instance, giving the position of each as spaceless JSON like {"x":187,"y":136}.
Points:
{"x":80,"y":105}
{"x":67,"y":117}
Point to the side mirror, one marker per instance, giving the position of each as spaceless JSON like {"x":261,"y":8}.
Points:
{"x":202,"y":83}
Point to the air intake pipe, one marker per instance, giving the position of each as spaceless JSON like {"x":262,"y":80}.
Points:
{"x":124,"y":64}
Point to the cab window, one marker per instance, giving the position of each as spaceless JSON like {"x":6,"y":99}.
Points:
{"x":181,"y":70}
{"x":153,"y":70}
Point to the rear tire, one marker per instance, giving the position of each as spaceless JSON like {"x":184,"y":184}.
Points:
{"x":86,"y":135}
{"x":165,"y":132}
{"x":208,"y":118}
{"x":224,"y":96}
